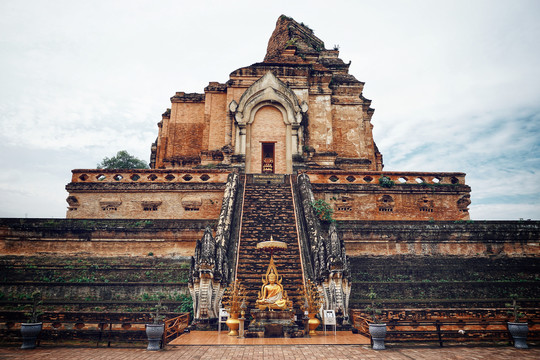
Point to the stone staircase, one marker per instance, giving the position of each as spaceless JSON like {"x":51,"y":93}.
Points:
{"x":268,"y":210}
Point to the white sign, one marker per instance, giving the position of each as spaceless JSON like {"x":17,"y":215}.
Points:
{"x":223,"y":315}
{"x":329,"y":317}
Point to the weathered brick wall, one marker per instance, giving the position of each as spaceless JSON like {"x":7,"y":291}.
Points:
{"x":187,"y":205}
{"x":80,"y":292}
{"x":216,"y":120}
{"x":177,"y":237}
{"x":186,"y":129}
{"x":441,"y":238}
{"x":65,"y":237}
{"x":348,"y":131}
{"x":408,"y":263}
{"x":369,"y":204}
{"x":421,"y":196}
{"x":182,"y":130}
{"x":320,"y":123}
{"x":95,"y":290}
{"x":439,"y":281}
{"x":286,"y":28}
{"x":145,"y":194}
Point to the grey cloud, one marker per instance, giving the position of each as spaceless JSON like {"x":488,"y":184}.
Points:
{"x":452,"y":83}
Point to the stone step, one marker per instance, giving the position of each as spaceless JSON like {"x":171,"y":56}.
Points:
{"x":269,"y":211}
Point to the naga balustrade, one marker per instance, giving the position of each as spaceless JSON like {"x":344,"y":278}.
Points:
{"x":149,"y":176}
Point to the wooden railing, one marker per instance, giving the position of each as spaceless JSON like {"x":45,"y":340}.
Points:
{"x":175,"y":327}
{"x":426,"y":325}
{"x":99,"y":329}
{"x":360,"y":323}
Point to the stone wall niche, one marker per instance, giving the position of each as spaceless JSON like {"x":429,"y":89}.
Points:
{"x":150,"y":205}
{"x":268,"y":92}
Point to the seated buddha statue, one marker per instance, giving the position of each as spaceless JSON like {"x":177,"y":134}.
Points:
{"x":272,"y":295}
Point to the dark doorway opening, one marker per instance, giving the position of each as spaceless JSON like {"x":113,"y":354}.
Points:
{"x":268,"y":159}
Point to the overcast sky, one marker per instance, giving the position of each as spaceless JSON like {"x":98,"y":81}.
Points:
{"x":455,"y":85}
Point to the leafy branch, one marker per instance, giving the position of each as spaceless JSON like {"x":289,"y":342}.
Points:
{"x":515,"y":308}
{"x":36,"y":312}
{"x":323,"y":210}
{"x":156,"y":316}
{"x":385,"y":182}
{"x":374,"y":308}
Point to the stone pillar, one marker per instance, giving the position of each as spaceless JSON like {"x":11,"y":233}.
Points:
{"x":294,"y":140}
{"x":242,"y":140}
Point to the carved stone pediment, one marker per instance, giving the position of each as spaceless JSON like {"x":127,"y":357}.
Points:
{"x":268,"y":89}
{"x":110,"y":202}
{"x":191,"y":201}
{"x":385,"y":202}
{"x":425,"y":202}
{"x":72,"y":201}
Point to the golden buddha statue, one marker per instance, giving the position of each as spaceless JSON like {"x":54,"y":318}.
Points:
{"x":272,"y":294}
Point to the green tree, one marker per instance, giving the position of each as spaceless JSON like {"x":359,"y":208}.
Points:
{"x":122,"y":160}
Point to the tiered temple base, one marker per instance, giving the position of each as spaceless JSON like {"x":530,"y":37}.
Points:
{"x":273,"y":324}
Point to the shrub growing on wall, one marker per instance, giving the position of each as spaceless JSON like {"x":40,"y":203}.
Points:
{"x":323,"y":210}
{"x":385,"y":182}
{"x":122,"y":160}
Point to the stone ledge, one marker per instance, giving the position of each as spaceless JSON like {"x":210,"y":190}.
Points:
{"x":159,"y":186}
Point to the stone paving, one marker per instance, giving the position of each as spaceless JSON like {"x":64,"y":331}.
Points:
{"x":297,"y":352}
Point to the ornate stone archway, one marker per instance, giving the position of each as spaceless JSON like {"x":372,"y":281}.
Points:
{"x":268,"y":91}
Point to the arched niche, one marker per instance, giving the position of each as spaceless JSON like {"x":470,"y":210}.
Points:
{"x":268,"y":91}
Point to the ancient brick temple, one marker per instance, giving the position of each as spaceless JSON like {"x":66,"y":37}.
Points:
{"x":299,"y":110}
{"x":254,"y":154}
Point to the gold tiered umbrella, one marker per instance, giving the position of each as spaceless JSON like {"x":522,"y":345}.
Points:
{"x":271,"y":245}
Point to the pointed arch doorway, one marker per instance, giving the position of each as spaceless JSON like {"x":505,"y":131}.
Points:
{"x":267,"y":142}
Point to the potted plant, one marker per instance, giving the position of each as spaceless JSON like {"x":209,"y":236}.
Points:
{"x":377,"y":330}
{"x":31,"y":329}
{"x":154,"y":331}
{"x":517,"y":329}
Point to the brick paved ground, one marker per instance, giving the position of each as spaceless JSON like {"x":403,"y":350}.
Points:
{"x":275,"y":352}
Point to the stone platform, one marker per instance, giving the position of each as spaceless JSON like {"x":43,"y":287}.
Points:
{"x":200,"y":338}
{"x":273,"y":324}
